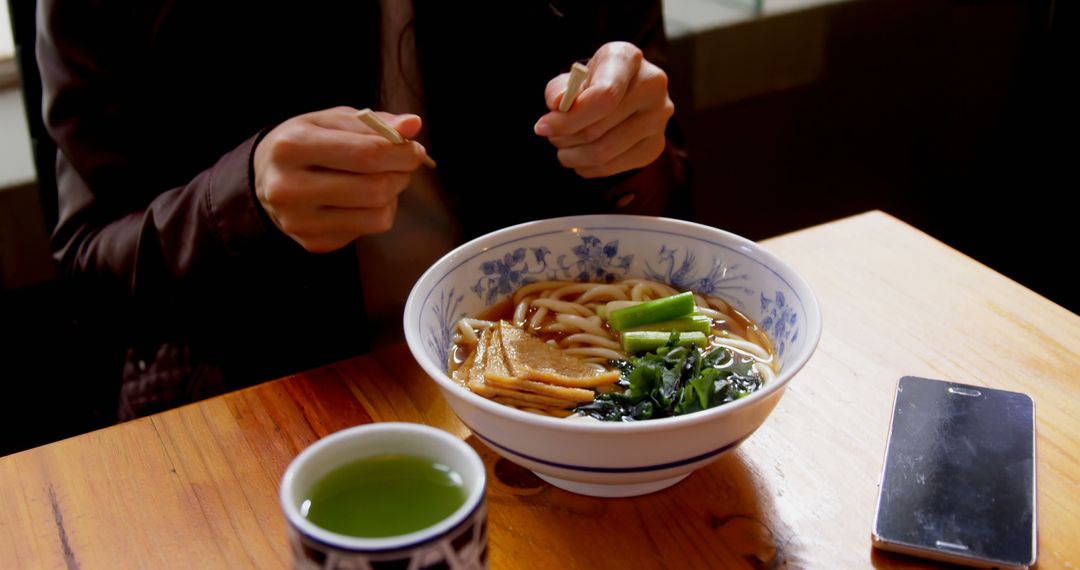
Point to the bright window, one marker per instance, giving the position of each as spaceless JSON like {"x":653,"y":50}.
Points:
{"x":7,"y":48}
{"x":8,"y":70}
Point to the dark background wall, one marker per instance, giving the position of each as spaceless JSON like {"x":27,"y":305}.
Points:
{"x":948,"y":114}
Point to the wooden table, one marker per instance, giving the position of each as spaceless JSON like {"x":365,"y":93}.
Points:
{"x":197,"y":487}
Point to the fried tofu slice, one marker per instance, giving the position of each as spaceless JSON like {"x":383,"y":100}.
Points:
{"x":483,"y":359}
{"x":529,"y":358}
{"x":495,"y":368}
{"x":526,"y":399}
{"x":498,"y":374}
{"x":561,"y":393}
{"x":475,"y":378}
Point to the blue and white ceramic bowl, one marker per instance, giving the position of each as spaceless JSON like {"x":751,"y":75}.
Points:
{"x":597,"y":458}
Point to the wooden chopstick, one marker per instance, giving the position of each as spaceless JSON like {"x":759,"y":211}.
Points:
{"x":390,"y":133}
{"x":578,"y":73}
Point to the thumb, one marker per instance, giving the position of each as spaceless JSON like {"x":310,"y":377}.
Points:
{"x":407,"y":125}
{"x":555,"y":90}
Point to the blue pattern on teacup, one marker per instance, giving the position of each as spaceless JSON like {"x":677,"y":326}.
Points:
{"x":465,"y":547}
{"x":683,"y":261}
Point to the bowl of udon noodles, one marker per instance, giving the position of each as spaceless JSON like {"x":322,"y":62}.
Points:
{"x":611,"y":355}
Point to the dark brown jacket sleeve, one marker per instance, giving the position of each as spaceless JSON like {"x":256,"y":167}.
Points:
{"x":156,"y":108}
{"x":115,"y":225}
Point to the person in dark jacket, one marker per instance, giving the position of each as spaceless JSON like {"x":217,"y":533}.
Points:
{"x":220,"y":204}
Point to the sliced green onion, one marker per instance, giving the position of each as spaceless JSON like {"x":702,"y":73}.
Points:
{"x":612,"y":306}
{"x":699,"y":323}
{"x":658,"y":310}
{"x":647,"y":341}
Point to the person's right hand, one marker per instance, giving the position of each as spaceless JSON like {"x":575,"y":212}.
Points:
{"x":326,"y":179}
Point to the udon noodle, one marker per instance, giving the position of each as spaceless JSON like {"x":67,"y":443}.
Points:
{"x":567,"y":315}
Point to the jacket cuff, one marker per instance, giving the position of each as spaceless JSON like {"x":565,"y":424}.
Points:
{"x":233,"y":209}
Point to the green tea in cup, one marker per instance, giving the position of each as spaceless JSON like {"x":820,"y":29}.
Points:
{"x":384,"y":495}
{"x":394,"y":495}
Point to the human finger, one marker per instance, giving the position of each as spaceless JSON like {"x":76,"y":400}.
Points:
{"x":594,"y":131}
{"x":336,"y":188}
{"x":346,"y":119}
{"x":616,"y":141}
{"x":308,"y":145}
{"x":327,"y":229}
{"x":407,"y":125}
{"x":646,"y":93}
{"x":641,"y":154}
{"x":358,"y":221}
{"x":611,"y":71}
{"x":555,"y":89}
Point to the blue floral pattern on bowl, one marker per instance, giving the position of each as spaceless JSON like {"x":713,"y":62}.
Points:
{"x":447,"y":315}
{"x":595,"y":261}
{"x":780,"y":321}
{"x":597,"y":256}
{"x":598,"y":261}
{"x":719,"y":278}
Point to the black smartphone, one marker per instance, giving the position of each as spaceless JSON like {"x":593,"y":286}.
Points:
{"x":958,"y":483}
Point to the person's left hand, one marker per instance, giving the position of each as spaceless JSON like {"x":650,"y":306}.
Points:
{"x":617,"y":122}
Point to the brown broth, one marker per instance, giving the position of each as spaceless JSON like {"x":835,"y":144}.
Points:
{"x":741,"y":325}
{"x":503,"y":310}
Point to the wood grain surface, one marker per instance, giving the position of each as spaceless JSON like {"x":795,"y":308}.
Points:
{"x":196,"y":487}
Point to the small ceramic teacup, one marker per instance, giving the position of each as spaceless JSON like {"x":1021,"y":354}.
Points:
{"x":458,"y":541}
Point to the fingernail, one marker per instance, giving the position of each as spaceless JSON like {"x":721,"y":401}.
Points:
{"x":542,"y":129}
